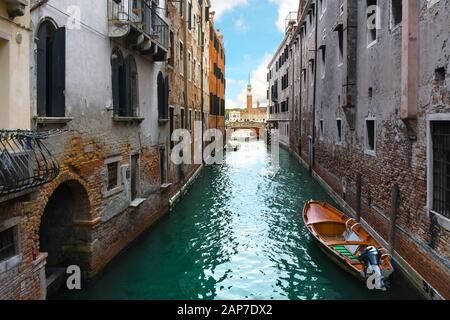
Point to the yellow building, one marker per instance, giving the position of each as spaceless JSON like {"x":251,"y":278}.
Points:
{"x":14,"y":64}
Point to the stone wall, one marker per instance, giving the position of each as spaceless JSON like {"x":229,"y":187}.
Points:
{"x":422,"y":239}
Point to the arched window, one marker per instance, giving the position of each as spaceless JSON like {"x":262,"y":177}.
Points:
{"x":131,"y":87}
{"x":124,"y":85}
{"x":51,"y":70}
{"x":163,"y":97}
{"x":118,"y":83}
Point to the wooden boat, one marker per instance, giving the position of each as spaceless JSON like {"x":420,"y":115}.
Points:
{"x":345,"y":242}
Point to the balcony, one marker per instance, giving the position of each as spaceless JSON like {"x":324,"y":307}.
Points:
{"x":139,"y":26}
{"x":25,"y":161}
{"x":15,"y":8}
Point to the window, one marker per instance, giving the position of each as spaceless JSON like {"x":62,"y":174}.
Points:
{"x":440,"y":133}
{"x":162,"y":165}
{"x":172,"y":125}
{"x":172,"y":50}
{"x":439,"y":76}
{"x":51,"y":70}
{"x":124,"y":85}
{"x":323,"y":63}
{"x":8,"y":247}
{"x":396,"y":13}
{"x":163,"y":97}
{"x":311,"y":73}
{"x":372,"y":21}
{"x":134,"y":176}
{"x":339,"y":130}
{"x":113,"y":175}
{"x":322,"y":7}
{"x":370,"y":136}
{"x":189,"y":15}
{"x":182,"y":116}
{"x":181,"y":59}
{"x":321,"y":129}
{"x":341,"y":46}
{"x":190,"y":119}
{"x":189,"y":66}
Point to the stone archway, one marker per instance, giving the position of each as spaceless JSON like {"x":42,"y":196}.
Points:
{"x":60,"y":234}
{"x":68,"y":203}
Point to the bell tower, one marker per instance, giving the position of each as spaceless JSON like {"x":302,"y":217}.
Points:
{"x":249,"y":95}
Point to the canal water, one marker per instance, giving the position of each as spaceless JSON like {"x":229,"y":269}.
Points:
{"x":236,"y":235}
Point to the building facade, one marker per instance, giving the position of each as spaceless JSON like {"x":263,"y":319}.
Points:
{"x":278,"y":93}
{"x":15,"y":64}
{"x":370,"y":118}
{"x":217,"y":83}
{"x":109,"y":81}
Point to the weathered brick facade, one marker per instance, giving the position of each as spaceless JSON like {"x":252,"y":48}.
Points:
{"x":92,"y":210}
{"x":366,"y":84}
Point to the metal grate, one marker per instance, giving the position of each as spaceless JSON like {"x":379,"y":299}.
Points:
{"x":142,"y":15}
{"x":7,"y":246}
{"x":441,"y":167}
{"x":25,"y":161}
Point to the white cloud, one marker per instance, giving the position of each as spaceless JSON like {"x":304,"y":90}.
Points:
{"x":222,"y":6}
{"x":259,"y":86}
{"x":240,"y":24}
{"x":284,"y":7}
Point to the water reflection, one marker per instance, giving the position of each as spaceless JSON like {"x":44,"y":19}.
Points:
{"x":237,"y":235}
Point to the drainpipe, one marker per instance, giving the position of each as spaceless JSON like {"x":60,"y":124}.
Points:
{"x":301,"y":92}
{"x":202,"y":98}
{"x":185,"y":58}
{"x":410,"y":66}
{"x":313,"y":147}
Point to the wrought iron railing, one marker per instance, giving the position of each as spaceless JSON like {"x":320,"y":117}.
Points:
{"x":25,"y":161}
{"x":141,"y":14}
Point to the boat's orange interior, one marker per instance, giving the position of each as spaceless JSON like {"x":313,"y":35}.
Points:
{"x":329,"y":225}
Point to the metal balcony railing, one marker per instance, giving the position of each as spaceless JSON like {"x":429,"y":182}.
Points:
{"x":142,"y":16}
{"x":25,"y":161}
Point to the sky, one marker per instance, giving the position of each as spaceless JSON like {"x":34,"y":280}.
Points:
{"x":253,"y":30}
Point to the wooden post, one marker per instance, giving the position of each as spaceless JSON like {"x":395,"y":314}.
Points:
{"x":394,"y":208}
{"x":358,"y":196}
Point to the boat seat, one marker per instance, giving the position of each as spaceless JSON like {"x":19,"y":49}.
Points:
{"x":324,"y":221}
{"x":344,"y":251}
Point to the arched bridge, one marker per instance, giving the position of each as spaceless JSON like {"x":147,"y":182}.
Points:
{"x":258,"y":127}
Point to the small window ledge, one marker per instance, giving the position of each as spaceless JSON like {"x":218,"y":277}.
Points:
{"x":372,"y":153}
{"x":10,"y":263}
{"x":113,"y":192}
{"x":165,"y":186}
{"x":137,"y":202}
{"x":163,"y":121}
{"x":127,"y":119}
{"x":443,"y":221}
{"x":53,"y":120}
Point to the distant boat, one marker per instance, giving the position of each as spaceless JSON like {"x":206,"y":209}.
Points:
{"x":347,"y":244}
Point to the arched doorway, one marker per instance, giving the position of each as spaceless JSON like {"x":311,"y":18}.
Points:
{"x":60,"y":235}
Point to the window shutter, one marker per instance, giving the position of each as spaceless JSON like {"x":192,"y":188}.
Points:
{"x":190,"y":16}
{"x":161,"y":96}
{"x":58,"y":70}
{"x":166,"y":98}
{"x":42,"y":71}
{"x":126,"y":109}
{"x":115,"y":82}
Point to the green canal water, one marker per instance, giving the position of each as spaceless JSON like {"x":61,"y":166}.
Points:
{"x":236,"y":235}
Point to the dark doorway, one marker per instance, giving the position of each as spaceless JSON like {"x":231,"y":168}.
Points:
{"x":134,"y":176}
{"x":59,"y":237}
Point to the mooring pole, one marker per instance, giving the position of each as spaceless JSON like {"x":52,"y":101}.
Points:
{"x":394,"y":208}
{"x":358,"y":196}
